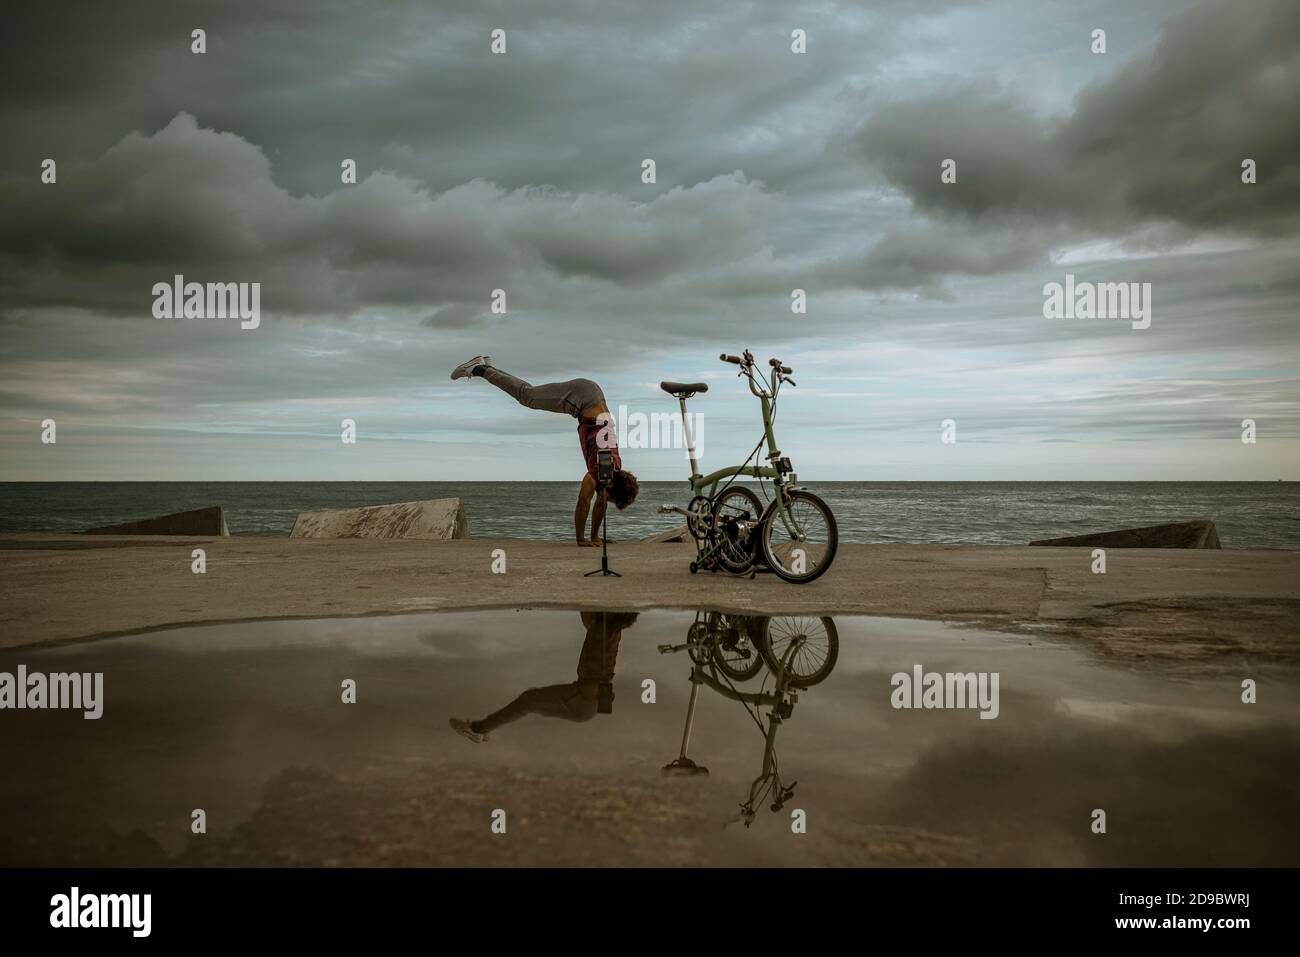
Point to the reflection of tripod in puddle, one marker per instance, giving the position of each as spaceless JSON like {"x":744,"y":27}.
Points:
{"x":796,"y":652}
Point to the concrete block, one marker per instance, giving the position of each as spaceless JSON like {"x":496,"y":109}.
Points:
{"x":438,"y":518}
{"x":1198,"y":534}
{"x":679,"y":534}
{"x":200,"y":521}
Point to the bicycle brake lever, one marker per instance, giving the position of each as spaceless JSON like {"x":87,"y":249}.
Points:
{"x":791,"y":381}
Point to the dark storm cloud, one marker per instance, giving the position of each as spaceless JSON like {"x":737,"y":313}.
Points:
{"x":1162,"y":139}
{"x":522,"y":172}
{"x":203,"y":203}
{"x":921,"y":255}
{"x":411,"y":86}
{"x":461,"y":316}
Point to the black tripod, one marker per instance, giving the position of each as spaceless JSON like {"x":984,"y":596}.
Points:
{"x":604,"y":478}
{"x":604,"y":568}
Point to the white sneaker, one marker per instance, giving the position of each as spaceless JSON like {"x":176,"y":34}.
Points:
{"x":463,"y":370}
{"x":461,"y":726}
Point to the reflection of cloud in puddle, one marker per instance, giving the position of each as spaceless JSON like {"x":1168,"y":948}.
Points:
{"x":1162,"y":721}
{"x":1209,"y":798}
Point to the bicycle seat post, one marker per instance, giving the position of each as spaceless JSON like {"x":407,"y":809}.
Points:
{"x":681,"y":391}
{"x":682,"y":765}
{"x":690,"y":439}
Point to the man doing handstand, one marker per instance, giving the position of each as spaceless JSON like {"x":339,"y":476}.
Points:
{"x":584,"y":400}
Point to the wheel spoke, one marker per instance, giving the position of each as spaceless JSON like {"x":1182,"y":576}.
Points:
{"x":807,"y":647}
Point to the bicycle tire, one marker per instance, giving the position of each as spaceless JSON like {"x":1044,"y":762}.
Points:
{"x":730,"y":630}
{"x":776,"y":561}
{"x":808,"y":666}
{"x":736,"y":557}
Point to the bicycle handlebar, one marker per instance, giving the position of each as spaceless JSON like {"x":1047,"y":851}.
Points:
{"x":746,"y":363}
{"x":737,"y":360}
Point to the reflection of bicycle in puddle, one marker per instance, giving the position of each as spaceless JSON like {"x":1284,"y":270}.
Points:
{"x":791,"y":652}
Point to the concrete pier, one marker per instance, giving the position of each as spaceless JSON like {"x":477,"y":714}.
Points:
{"x":1186,"y":608}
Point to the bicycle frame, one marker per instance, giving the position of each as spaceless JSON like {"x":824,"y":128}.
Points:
{"x":780,"y":700}
{"x":699,"y":483}
{"x":707,"y":485}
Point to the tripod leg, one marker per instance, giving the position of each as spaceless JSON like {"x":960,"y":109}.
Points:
{"x":604,"y":544}
{"x":604,"y":548}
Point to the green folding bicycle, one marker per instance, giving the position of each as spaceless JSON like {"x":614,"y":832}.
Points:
{"x":794,"y":534}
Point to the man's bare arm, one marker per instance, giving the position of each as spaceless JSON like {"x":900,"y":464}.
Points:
{"x":586,"y":492}
{"x":598,"y":514}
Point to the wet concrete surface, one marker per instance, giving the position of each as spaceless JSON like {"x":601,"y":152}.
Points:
{"x":1191,"y":609}
{"x":246,"y":722}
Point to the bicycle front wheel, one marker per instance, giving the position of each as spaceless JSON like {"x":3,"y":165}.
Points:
{"x":799,"y":541}
{"x":807,"y":646}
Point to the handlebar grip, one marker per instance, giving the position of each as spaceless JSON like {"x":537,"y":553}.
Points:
{"x":732,"y":359}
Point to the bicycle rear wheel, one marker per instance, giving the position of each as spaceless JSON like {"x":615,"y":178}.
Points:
{"x":735,"y":653}
{"x":736,"y":516}
{"x":799,"y":545}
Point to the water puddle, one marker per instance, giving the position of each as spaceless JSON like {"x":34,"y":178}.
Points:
{"x":570,"y":731}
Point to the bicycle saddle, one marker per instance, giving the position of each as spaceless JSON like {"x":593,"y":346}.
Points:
{"x":684,"y":390}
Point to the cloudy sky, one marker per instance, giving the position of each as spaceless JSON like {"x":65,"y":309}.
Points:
{"x":775,"y":171}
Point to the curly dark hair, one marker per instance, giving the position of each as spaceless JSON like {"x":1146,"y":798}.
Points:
{"x":622,"y":491}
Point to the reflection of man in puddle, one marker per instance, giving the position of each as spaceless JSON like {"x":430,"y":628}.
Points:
{"x":579,"y":700}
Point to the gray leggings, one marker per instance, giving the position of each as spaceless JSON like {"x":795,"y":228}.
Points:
{"x":572,"y":702}
{"x":569,"y":397}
